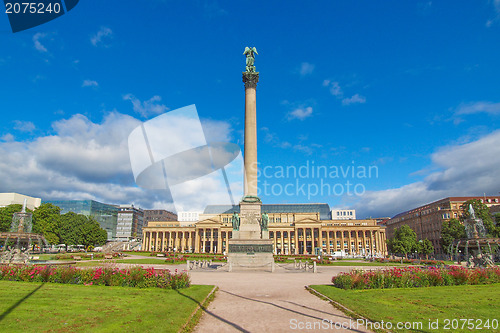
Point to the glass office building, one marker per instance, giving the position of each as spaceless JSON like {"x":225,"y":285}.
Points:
{"x":106,"y":215}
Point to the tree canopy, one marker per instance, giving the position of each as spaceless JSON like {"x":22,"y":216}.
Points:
{"x":483,"y":212}
{"x":425,"y":247}
{"x":46,"y":222}
{"x":404,"y":240}
{"x":69,"y":228}
{"x":78,"y":229}
{"x":6,"y":214}
{"x":451,"y":230}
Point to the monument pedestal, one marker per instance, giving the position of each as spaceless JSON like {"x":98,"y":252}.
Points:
{"x":250,"y":254}
{"x":250,"y":248}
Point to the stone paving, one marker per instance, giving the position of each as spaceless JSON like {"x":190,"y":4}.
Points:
{"x":271,"y":302}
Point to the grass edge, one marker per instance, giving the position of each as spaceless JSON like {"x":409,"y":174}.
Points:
{"x":195,"y":316}
{"x":352,"y":314}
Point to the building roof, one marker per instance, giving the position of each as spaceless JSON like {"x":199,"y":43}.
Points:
{"x":447,"y":199}
{"x":322,"y":209}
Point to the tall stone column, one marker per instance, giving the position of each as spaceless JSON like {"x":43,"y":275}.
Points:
{"x":250,"y":245}
{"x":250,"y":150}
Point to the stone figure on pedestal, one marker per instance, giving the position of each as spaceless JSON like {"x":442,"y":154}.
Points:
{"x":264,"y":221}
{"x":249,"y":52}
{"x":235,"y":221}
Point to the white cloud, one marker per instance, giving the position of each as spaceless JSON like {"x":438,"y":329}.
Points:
{"x":7,"y":137}
{"x":303,"y":149}
{"x":306,"y":68}
{"x":478,"y":107}
{"x":102,"y":37}
{"x":37,"y":43}
{"x":85,"y":160}
{"x":300,"y":113}
{"x":273,"y":139}
{"x":24,"y":126}
{"x":146,"y":108}
{"x":334,"y":87}
{"x":496,"y":6}
{"x":90,"y":83}
{"x":355,"y":99}
{"x":463,"y":170}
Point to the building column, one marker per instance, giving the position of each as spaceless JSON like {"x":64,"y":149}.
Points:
{"x":305,"y":240}
{"x":144,"y":240}
{"x":275,"y":242}
{"x":203,"y":239}
{"x":196,"y":240}
{"x":334,"y":240}
{"x":384,"y":243}
{"x":320,"y":238}
{"x":328,"y":250}
{"x":219,"y":240}
{"x":295,"y":240}
{"x":357,"y":242}
{"x":288,"y":244}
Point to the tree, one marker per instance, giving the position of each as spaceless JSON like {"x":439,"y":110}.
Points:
{"x":76,"y":229}
{"x":425,"y":247}
{"x":404,"y":240}
{"x":46,"y":219}
{"x":483,"y":212}
{"x":6,"y":214}
{"x":451,"y":230}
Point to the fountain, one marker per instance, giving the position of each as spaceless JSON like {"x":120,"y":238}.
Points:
{"x":477,"y":248}
{"x":18,"y":243}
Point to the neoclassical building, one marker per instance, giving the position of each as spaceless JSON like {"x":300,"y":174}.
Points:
{"x":294,"y":228}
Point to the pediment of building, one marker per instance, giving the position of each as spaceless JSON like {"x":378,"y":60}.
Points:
{"x":307,"y":221}
{"x":208,"y":222}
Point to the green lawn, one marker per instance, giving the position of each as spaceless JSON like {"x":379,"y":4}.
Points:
{"x":480,"y":303}
{"x":37,"y":307}
{"x":361,"y":263}
{"x":145,"y":261}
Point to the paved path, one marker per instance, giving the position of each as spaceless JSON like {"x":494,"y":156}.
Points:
{"x":270,"y":302}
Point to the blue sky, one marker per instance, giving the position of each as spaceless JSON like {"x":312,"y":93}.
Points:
{"x":408,"y":87}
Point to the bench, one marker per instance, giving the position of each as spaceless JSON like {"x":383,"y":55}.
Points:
{"x":160,"y":254}
{"x":108,"y":256}
{"x":77,"y":258}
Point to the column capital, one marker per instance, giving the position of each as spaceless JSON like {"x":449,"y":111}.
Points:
{"x":250,"y":79}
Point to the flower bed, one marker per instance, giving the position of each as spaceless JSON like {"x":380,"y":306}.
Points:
{"x":412,"y":277}
{"x":134,"y":277}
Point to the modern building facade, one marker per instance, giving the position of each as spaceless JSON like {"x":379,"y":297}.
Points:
{"x":16,"y":198}
{"x":106,"y":215}
{"x":130,"y":221}
{"x":294,"y":229}
{"x":158,"y":215}
{"x":427,"y":220}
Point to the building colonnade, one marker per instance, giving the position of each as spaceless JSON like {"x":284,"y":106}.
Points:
{"x":287,"y":240}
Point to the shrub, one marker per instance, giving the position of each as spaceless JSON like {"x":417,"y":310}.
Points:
{"x":412,"y":277}
{"x":106,"y":276}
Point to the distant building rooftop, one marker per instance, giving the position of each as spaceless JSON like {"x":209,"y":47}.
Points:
{"x":322,"y":208}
